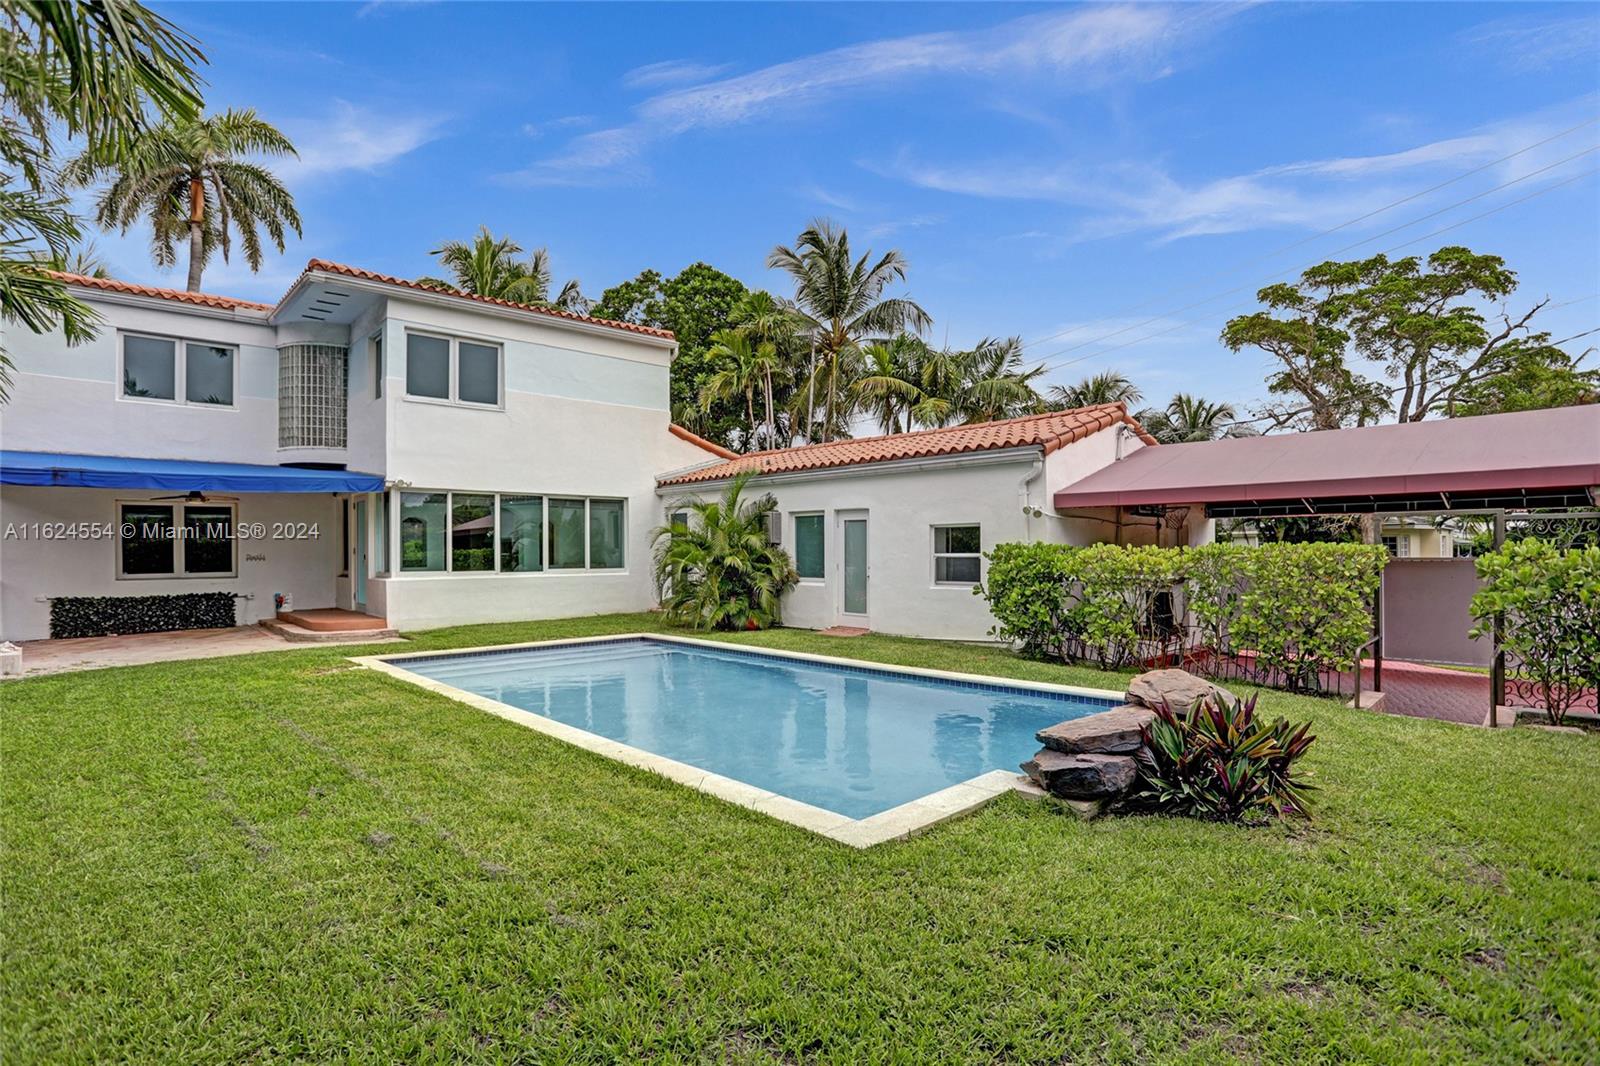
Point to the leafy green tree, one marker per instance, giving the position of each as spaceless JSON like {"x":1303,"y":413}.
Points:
{"x":1187,"y":420}
{"x":718,"y":570}
{"x":1424,"y":322}
{"x":994,"y":384}
{"x":841,"y":301}
{"x":906,"y":384}
{"x":96,"y":71}
{"x":488,"y":266}
{"x":1534,"y":377}
{"x":695,"y":304}
{"x":1303,"y":330}
{"x":1106,"y":387}
{"x":889,"y":386}
{"x":191,"y":180}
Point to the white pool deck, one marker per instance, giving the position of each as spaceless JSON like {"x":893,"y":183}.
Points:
{"x":897,"y":823}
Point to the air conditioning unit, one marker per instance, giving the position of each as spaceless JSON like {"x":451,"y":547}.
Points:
{"x":774,"y":528}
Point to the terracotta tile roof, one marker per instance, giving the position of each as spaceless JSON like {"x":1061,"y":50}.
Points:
{"x":1050,"y":431}
{"x":371,"y":275}
{"x":700,"y":442}
{"x":203,"y":299}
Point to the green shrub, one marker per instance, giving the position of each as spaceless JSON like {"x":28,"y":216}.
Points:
{"x":1214,"y":761}
{"x":1285,"y":614}
{"x":1548,"y":602}
{"x":718,"y":570}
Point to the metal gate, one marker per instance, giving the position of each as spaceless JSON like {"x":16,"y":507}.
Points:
{"x":1426,"y":612}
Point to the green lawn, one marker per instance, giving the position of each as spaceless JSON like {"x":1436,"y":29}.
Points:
{"x":280,"y":856}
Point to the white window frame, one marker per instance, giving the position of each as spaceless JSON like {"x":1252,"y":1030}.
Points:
{"x":180,"y":543}
{"x":794,"y":528}
{"x":180,"y":371}
{"x":935,"y":555}
{"x":453,"y":399}
{"x":545,"y":570}
{"x":375,"y":353}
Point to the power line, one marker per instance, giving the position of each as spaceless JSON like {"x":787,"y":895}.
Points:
{"x":1343,"y":225}
{"x":1337,"y":251}
{"x":1191,"y":322}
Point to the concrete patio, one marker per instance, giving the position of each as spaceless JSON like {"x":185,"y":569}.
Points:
{"x":41,"y":657}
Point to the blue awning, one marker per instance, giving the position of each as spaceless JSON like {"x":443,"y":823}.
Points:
{"x":174,"y":475}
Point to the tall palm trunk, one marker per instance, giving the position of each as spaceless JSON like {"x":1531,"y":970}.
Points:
{"x":197,"y":218}
{"x":772,"y":423}
{"x":750,"y":412}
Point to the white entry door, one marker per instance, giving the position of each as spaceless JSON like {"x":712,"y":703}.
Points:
{"x":855,"y":574}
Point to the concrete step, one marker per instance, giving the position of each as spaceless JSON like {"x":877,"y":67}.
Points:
{"x":296,"y":634}
{"x":332,"y":620}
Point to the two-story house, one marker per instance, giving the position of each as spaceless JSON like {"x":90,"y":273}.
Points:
{"x":367,"y":443}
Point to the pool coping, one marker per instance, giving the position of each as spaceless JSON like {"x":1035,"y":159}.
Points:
{"x":896,"y":823}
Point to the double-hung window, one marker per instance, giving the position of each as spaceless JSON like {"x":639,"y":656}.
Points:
{"x":178,"y":371}
{"x":957,"y":555}
{"x":453,"y":370}
{"x":176,"y":540}
{"x":482,"y":532}
{"x":809,"y":550}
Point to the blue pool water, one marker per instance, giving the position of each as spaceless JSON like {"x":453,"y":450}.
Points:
{"x":854,"y":740}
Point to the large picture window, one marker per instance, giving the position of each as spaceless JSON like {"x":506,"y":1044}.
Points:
{"x":957,"y":555}
{"x":483,"y":532}
{"x":422,"y":530}
{"x":808,"y":546}
{"x":176,"y":540}
{"x":452,"y":369}
{"x":177,"y":371}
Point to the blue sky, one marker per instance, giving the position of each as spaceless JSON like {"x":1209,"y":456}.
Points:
{"x":1094,"y":178}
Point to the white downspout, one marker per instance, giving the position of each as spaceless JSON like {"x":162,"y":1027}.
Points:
{"x":1024,"y":496}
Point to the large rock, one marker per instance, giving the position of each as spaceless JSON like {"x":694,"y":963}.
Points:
{"x":1082,"y":776}
{"x":1114,"y":732}
{"x":1179,"y":687}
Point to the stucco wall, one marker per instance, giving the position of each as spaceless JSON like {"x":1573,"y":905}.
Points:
{"x":31,"y":568}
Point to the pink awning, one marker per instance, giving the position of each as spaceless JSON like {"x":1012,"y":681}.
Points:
{"x":1526,"y":450}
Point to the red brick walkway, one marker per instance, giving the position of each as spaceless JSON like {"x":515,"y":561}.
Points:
{"x":1433,"y":692}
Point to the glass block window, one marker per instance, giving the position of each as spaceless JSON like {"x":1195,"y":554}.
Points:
{"x":311,"y":396}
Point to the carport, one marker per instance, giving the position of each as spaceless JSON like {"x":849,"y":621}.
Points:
{"x":1525,"y":468}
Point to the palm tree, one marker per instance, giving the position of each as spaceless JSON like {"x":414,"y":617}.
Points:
{"x":840,"y":302}
{"x":489,"y":266}
{"x":718,"y":570}
{"x":993,"y":383}
{"x":890,"y":386}
{"x":1188,"y":420}
{"x":1105,"y":387}
{"x":741,"y":370}
{"x":189,"y":179}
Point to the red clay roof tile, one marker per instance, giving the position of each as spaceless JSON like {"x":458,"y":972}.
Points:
{"x":203,"y":299}
{"x":328,"y":267}
{"x":700,"y":442}
{"x":1049,"y":431}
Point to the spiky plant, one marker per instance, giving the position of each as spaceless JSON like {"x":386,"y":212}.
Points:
{"x":717,"y":570}
{"x":192,"y":181}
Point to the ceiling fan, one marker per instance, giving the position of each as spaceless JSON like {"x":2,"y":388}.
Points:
{"x":195,"y":496}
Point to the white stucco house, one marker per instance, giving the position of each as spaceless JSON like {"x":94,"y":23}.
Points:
{"x":434,"y":458}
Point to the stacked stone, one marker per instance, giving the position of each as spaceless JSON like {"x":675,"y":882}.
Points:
{"x":1091,"y":762}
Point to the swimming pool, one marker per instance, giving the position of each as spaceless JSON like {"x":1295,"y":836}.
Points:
{"x":834,"y":735}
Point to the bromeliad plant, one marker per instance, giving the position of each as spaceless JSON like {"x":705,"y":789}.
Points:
{"x":1215,"y":761}
{"x":717,"y":569}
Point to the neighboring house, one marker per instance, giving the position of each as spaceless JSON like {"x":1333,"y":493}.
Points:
{"x":887,"y":533}
{"x":429,"y":457}
{"x":1406,"y":536}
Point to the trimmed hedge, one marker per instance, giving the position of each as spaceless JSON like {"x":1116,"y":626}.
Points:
{"x":1548,"y":603}
{"x":1289,"y":615}
{"x":105,"y":616}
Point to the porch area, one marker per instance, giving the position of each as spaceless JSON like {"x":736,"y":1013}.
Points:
{"x":41,"y":657}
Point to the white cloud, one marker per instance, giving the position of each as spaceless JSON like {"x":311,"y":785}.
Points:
{"x":671,"y":72}
{"x":1528,"y":44}
{"x":539,"y":129}
{"x":355,"y":138}
{"x":1129,"y":196}
{"x":1093,"y":46}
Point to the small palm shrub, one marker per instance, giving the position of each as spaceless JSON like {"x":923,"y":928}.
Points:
{"x":717,"y":570}
{"x":1215,"y":761}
